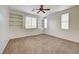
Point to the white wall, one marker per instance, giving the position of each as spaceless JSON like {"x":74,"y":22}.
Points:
{"x":54,"y":25}
{"x":20,"y":31}
{"x":4,"y":28}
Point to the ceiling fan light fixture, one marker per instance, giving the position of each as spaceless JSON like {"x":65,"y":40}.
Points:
{"x":42,"y":9}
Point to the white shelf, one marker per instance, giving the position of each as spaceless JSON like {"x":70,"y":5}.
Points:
{"x":15,"y":20}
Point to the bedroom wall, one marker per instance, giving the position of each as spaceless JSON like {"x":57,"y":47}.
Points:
{"x":20,"y":31}
{"x":54,"y":25}
{"x":4,"y":28}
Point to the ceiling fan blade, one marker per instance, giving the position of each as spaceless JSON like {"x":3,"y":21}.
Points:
{"x":43,"y":11}
{"x":46,"y":9}
{"x":35,"y":9}
{"x":38,"y":11}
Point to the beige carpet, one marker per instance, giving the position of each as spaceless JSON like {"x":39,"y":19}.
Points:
{"x":41,"y":44}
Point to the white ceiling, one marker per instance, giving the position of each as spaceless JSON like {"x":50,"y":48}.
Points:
{"x":29,"y":8}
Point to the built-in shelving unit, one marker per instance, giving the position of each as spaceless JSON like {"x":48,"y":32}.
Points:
{"x":15,"y":19}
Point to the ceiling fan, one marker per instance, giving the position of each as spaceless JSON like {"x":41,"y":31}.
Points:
{"x":41,"y":9}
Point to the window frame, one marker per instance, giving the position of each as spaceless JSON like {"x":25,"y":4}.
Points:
{"x":45,"y":23}
{"x":67,"y":24}
{"x":31,"y":23}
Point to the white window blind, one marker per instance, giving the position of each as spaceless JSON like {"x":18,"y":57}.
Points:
{"x":30,"y":22}
{"x":65,"y":21}
{"x":45,"y":23}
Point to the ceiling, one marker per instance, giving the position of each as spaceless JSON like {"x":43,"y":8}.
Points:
{"x":29,"y":8}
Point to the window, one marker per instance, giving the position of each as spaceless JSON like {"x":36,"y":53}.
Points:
{"x":65,"y":21}
{"x":30,"y":22}
{"x":45,"y":23}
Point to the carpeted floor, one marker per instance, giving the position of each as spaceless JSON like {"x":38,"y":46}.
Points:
{"x":41,"y":44}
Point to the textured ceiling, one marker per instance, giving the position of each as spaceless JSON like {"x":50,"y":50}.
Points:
{"x":29,"y":8}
